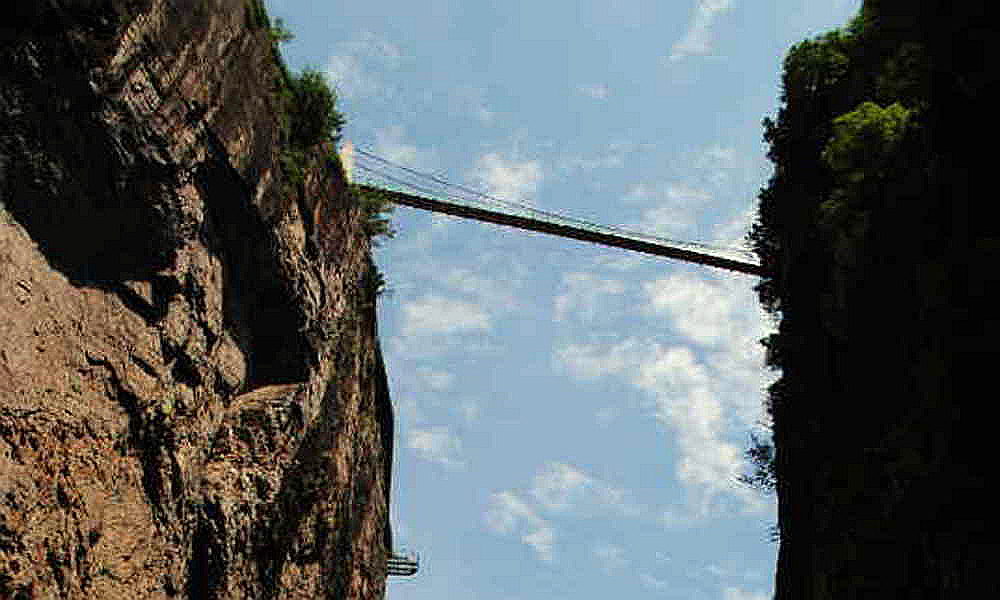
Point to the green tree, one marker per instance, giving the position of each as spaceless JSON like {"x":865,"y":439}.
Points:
{"x":864,"y":140}
{"x":314,"y":117}
{"x":376,"y":207}
{"x":280,"y":33}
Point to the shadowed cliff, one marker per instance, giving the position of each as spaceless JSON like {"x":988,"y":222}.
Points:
{"x":884,"y":258}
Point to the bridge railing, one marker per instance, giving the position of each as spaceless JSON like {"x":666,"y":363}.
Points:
{"x":413,"y":188}
{"x":402,"y":565}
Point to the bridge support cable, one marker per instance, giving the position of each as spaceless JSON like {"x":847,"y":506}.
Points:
{"x":408,"y":187}
{"x":412,"y":179}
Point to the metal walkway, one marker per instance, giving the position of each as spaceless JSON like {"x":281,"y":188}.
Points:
{"x":408,"y":187}
{"x":402,"y":565}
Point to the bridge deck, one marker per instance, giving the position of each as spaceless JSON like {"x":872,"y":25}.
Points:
{"x":567,"y":231}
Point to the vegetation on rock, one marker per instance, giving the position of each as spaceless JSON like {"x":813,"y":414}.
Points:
{"x":310,"y":119}
{"x":849,"y":127}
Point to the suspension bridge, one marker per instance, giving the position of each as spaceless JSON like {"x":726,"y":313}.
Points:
{"x":403,"y":185}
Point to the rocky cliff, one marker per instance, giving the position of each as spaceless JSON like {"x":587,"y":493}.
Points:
{"x":192,"y":399}
{"x":884,"y":259}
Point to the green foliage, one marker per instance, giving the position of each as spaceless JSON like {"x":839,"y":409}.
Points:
{"x":308,"y":118}
{"x":293,"y":165}
{"x":815,"y":65}
{"x":314,"y":117}
{"x":280,"y":34}
{"x":864,"y":22}
{"x":847,"y":138}
{"x":761,"y":455}
{"x":375,"y":206}
{"x":375,"y":281}
{"x":865,"y":139}
{"x":772,"y":350}
{"x":256,"y":14}
{"x":905,"y":77}
{"x":309,"y":115}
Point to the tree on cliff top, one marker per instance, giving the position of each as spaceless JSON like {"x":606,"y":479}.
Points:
{"x":314,"y":117}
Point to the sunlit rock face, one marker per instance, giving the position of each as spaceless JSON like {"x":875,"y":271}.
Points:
{"x":887,"y":326}
{"x":192,"y":399}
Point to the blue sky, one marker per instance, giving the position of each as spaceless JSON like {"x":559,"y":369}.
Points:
{"x":570,"y":419}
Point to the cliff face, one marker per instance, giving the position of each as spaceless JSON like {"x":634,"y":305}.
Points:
{"x":192,"y":399}
{"x":887,"y":286}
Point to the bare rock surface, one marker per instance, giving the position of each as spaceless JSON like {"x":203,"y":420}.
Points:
{"x":192,"y":399}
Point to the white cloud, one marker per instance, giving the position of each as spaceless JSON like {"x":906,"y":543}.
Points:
{"x":556,"y":484}
{"x":674,"y":207}
{"x":611,"y":155}
{"x":732,"y":234}
{"x":469,"y":409}
{"x":407,"y":408}
{"x":609,"y":160}
{"x":719,"y":315}
{"x":652,"y":582}
{"x":471,"y":101}
{"x":432,"y":315}
{"x":686,"y":401}
{"x":560,"y":490}
{"x":677,"y":518}
{"x":507,"y":178}
{"x":440,"y":222}
{"x":541,"y":541}
{"x":508,"y":514}
{"x":716,"y":155}
{"x":684,"y":398}
{"x":350,"y":78}
{"x":611,"y":557}
{"x":371,"y":45}
{"x":438,"y":381}
{"x":734,"y":593}
{"x":597,"y":91}
{"x":697,"y":40}
{"x":590,"y":361}
{"x":719,"y":163}
{"x":585,"y":294}
{"x":623,"y":261}
{"x":704,"y":310}
{"x":392,"y":145}
{"x":353,"y":69}
{"x":506,"y":510}
{"x":495,"y":293}
{"x":560,"y":487}
{"x":437,"y":444}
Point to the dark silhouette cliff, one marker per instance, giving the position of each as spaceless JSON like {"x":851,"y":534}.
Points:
{"x":192,"y":398}
{"x":883,"y":250}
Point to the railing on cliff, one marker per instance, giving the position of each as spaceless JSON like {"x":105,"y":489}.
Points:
{"x":402,"y":185}
{"x":402,"y":565}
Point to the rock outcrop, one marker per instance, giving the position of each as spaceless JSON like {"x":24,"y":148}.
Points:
{"x":888,"y":322}
{"x":192,"y":399}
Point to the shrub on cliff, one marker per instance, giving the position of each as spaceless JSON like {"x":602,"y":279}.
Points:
{"x":309,"y":118}
{"x":376,"y":206}
{"x":860,"y":152}
{"x":313,"y":114}
{"x":864,"y":140}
